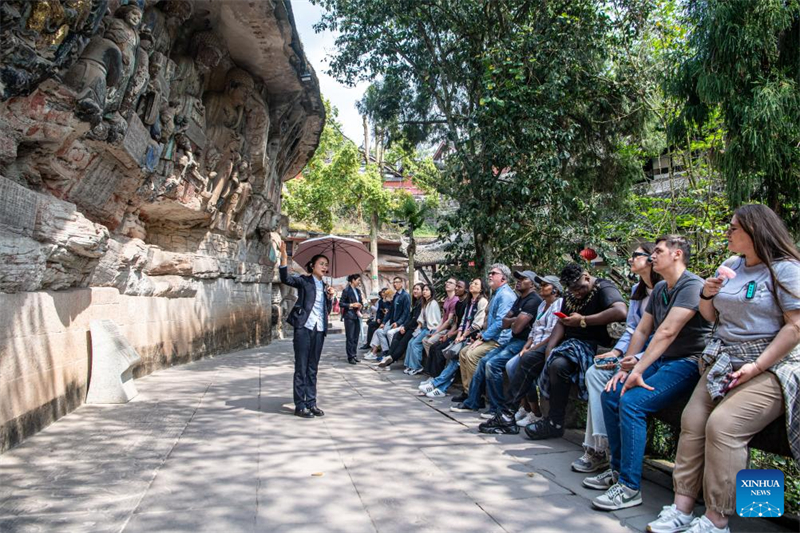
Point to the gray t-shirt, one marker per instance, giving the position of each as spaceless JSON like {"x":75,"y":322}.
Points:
{"x":743,"y":319}
{"x":693,"y":337}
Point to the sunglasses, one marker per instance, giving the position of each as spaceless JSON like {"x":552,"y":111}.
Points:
{"x":634,"y":255}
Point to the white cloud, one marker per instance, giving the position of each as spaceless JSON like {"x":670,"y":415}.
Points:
{"x":318,"y":47}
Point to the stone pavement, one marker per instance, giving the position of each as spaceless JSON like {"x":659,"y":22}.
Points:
{"x":214,"y":446}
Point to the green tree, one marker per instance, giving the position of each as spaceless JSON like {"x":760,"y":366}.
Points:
{"x":745,"y":61}
{"x":333,"y":183}
{"x":534,"y":98}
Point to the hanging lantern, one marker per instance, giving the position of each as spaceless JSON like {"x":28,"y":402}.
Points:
{"x":588,"y":254}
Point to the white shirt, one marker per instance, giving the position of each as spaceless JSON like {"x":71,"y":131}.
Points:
{"x":545,"y":321}
{"x":314,"y":322}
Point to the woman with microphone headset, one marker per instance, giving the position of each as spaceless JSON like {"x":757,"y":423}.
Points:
{"x":309,"y":317}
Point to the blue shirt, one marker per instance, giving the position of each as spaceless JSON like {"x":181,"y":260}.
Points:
{"x":635,"y":311}
{"x":501,"y":304}
{"x":314,"y":322}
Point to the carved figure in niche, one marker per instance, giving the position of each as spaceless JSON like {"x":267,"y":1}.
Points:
{"x":224,"y":122}
{"x":39,"y":38}
{"x":206,"y":52}
{"x":102,"y":72}
{"x":122,"y":30}
{"x":99,"y":67}
{"x":156,"y":98}
{"x":160,"y":24}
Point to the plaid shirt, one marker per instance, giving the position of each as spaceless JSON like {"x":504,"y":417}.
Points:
{"x":787,"y":370}
{"x":579,"y":352}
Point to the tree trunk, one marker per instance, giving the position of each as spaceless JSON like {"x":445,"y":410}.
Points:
{"x":366,"y":139}
{"x":373,"y":248}
{"x":412,"y":249}
{"x":484,"y":254}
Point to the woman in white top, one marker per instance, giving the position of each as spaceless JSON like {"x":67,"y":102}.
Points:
{"x":429,"y":317}
{"x":550,"y":290}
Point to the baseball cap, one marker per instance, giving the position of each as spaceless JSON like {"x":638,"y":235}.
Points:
{"x":551,"y":280}
{"x":530,"y":274}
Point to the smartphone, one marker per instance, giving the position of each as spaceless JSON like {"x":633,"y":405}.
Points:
{"x":559,"y":314}
{"x":606,"y":361}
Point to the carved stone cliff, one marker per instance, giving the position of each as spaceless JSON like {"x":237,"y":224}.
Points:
{"x":143,"y":146}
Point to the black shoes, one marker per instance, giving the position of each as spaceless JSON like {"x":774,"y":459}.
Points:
{"x":460,"y":398}
{"x":501,"y":424}
{"x":352,"y":361}
{"x":311,"y":412}
{"x":544,"y":429}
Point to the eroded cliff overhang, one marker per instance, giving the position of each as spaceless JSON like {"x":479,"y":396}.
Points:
{"x":170,"y":123}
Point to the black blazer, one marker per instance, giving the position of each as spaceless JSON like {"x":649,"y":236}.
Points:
{"x":306,"y":296}
{"x":349,"y":297}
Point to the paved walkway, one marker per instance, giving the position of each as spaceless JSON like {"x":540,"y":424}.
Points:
{"x":213,"y":446}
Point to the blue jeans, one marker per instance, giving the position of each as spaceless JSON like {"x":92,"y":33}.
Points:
{"x":626,"y":416}
{"x":414,"y":350}
{"x":512,"y":366}
{"x":494,"y":371}
{"x":448,"y":375}
{"x":479,"y":380}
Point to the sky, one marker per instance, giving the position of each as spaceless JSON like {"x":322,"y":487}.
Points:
{"x":318,"y":47}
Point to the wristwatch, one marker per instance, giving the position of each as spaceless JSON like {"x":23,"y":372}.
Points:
{"x":583,"y":321}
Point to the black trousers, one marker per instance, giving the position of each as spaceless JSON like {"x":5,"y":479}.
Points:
{"x":307,"y":349}
{"x":351,"y":331}
{"x":397,"y":350}
{"x":561,"y":371}
{"x":524,"y":383}
{"x":372,"y":325}
{"x":436,"y":361}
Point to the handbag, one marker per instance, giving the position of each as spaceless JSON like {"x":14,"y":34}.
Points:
{"x":452,"y":351}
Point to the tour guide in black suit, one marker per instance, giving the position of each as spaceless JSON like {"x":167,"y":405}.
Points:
{"x":309,"y":317}
{"x":350,"y":304}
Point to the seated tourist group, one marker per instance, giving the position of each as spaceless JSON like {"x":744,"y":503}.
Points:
{"x":731,"y":343}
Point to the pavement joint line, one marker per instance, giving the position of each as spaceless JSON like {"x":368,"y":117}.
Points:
{"x":490,"y":515}
{"x":168,"y":454}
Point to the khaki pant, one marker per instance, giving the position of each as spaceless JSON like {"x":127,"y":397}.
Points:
{"x":713,"y":443}
{"x":429,"y":341}
{"x":468,"y":359}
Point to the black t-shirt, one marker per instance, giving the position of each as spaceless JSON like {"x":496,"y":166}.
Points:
{"x":461,"y":308}
{"x":528,"y":305}
{"x":603,"y":296}
{"x":692,"y":338}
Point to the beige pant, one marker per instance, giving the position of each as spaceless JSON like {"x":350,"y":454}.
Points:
{"x":468,"y":359}
{"x":429,"y":341}
{"x":714,"y":437}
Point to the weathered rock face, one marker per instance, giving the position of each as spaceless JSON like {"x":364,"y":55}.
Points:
{"x":143,"y":145}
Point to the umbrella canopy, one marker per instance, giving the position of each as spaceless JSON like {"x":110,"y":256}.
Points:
{"x":347,"y":256}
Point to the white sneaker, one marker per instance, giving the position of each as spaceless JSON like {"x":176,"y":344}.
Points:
{"x":670,"y":520}
{"x":406,"y":370}
{"x":385,"y":362}
{"x":602,"y":481}
{"x":371,"y":356}
{"x":487,"y":414}
{"x":591,"y":461}
{"x":436,"y":393}
{"x":426,"y":388}
{"x":414,"y":371}
{"x":521,"y":414}
{"x":702,"y":524}
{"x":618,"y":497}
{"x":429,"y":380}
{"x":528,"y":420}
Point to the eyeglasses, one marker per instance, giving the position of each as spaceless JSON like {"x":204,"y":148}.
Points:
{"x":495,"y":273}
{"x":730,"y":230}
{"x":634,"y":255}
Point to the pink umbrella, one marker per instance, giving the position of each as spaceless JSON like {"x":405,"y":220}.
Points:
{"x":347,"y":256}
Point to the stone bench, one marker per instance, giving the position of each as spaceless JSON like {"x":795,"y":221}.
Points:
{"x":772,"y":439}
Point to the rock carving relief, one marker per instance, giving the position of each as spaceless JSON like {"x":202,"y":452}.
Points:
{"x":141,"y":116}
